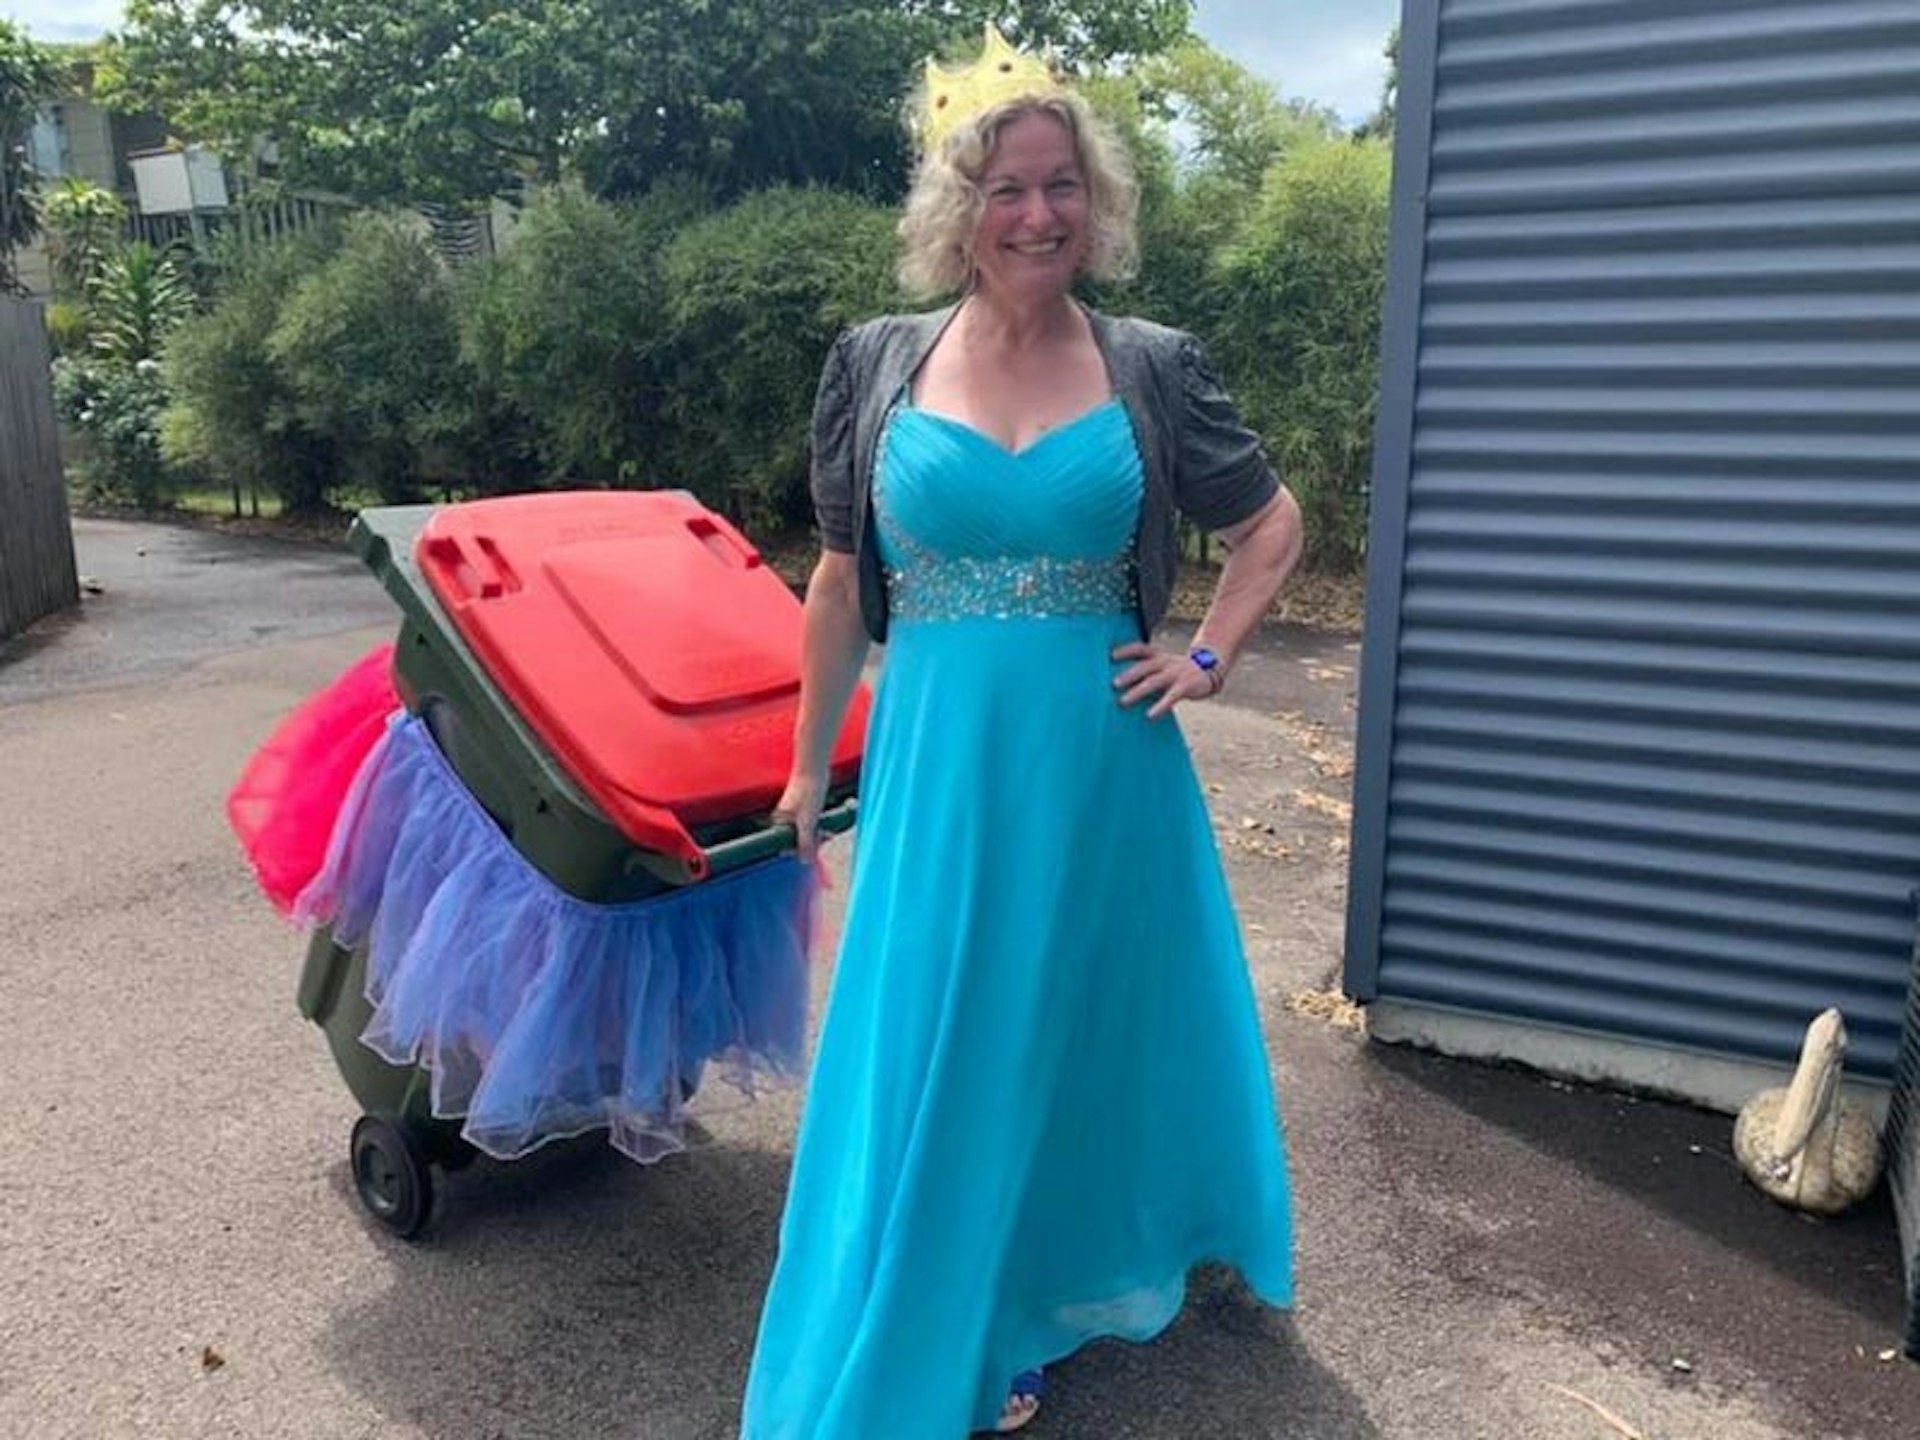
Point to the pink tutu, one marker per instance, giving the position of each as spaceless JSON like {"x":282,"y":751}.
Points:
{"x":284,"y":807}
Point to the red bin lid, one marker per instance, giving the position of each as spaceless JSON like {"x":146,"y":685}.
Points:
{"x":644,"y":640}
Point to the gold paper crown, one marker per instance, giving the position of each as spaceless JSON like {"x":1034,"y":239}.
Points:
{"x":1001,"y":74}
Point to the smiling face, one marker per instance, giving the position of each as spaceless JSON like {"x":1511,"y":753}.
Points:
{"x":1033,"y":230}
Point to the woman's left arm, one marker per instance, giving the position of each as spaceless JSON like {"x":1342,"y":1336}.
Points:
{"x":1262,"y":551}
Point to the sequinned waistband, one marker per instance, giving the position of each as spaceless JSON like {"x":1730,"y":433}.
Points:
{"x":1042,"y":587}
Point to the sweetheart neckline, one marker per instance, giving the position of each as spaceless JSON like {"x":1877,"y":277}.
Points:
{"x":1025,"y":450}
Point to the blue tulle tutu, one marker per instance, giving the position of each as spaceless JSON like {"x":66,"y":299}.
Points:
{"x":539,"y":1015}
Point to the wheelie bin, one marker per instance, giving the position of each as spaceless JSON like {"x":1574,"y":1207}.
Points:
{"x":613,"y":677}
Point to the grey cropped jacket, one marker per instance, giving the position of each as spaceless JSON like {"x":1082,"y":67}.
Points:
{"x":1197,"y":456}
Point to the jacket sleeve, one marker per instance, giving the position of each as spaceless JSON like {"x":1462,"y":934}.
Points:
{"x":1222,"y":475}
{"x":831,"y":470}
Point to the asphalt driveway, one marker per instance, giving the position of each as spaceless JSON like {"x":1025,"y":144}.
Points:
{"x":1482,"y":1253}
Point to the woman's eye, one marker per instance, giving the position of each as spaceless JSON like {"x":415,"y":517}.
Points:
{"x":1063,"y":187}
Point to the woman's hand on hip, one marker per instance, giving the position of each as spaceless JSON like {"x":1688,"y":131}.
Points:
{"x":1162,"y":676}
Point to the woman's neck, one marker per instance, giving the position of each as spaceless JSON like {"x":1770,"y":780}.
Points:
{"x":994,"y":322}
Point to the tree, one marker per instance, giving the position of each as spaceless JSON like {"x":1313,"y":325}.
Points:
{"x":30,"y":76}
{"x":1379,"y":125}
{"x":1241,"y":126}
{"x":230,"y":412}
{"x":368,"y":351}
{"x":455,"y":101}
{"x":568,"y":327}
{"x":755,"y":295}
{"x":1233,"y":128}
{"x":1300,"y":344}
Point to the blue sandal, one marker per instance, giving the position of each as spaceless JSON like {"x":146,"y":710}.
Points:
{"x":1027,"y":1385}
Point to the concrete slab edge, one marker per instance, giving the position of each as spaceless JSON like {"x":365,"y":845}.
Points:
{"x":1715,"y":1082}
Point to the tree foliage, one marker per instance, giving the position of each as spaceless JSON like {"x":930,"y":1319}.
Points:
{"x":135,"y":298}
{"x":755,"y":296}
{"x":82,"y":223}
{"x":367,"y":348}
{"x":232,"y":415}
{"x":1240,"y":125}
{"x":568,"y":328}
{"x":1379,"y":125}
{"x":1301,"y":340}
{"x":30,"y":77}
{"x":716,"y":209}
{"x":454,"y":101}
{"x":111,"y":390}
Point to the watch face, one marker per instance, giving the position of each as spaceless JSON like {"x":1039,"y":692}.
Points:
{"x":1204,"y":658}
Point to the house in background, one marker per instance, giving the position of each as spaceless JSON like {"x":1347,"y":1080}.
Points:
{"x":178,"y":193}
{"x":75,"y":137}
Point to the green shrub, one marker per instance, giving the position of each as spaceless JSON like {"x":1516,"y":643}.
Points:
{"x":67,"y":328}
{"x":756,"y":294}
{"x":111,"y":391}
{"x":1299,"y":340}
{"x":368,"y":351}
{"x":566,"y":333}
{"x":117,"y":411}
{"x":231,"y":414}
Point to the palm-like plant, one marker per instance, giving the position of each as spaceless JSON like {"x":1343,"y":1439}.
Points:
{"x":137,"y":296}
{"x":82,"y":224}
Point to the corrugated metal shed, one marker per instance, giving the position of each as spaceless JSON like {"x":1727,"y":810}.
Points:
{"x":1639,"y":747}
{"x":1903,"y":1155}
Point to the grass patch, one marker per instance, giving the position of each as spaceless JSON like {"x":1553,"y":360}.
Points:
{"x":220,"y":504}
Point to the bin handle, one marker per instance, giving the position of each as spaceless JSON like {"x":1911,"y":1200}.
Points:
{"x":481,"y":577}
{"x":775,"y":840}
{"x":723,"y":542}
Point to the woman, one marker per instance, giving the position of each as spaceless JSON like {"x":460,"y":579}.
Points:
{"x":1041,"y":1094}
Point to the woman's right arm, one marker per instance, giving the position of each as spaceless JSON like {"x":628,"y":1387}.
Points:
{"x":833,"y":648}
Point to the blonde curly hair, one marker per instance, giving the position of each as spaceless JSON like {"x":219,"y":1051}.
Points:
{"x":943,"y":209}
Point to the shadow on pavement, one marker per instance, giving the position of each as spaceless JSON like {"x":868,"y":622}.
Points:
{"x":1678,"y":1160}
{"x":1640,"y":1225}
{"x":597,"y":1298}
{"x":1229,"y":1367}
{"x":591,"y":1297}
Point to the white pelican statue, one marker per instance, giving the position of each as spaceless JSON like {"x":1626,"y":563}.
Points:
{"x":1806,"y":1145}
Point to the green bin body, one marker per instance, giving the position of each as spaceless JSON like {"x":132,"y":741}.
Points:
{"x":510,"y":772}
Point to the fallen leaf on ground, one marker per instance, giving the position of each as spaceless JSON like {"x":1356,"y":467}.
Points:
{"x":211,"y":1359}
{"x":1331,"y":764}
{"x":1327,"y":805}
{"x":1330,"y":1007}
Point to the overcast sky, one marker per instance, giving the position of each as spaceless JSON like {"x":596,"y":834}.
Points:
{"x":1326,"y":50}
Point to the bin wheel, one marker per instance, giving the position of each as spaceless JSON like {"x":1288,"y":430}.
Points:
{"x":391,"y":1176}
